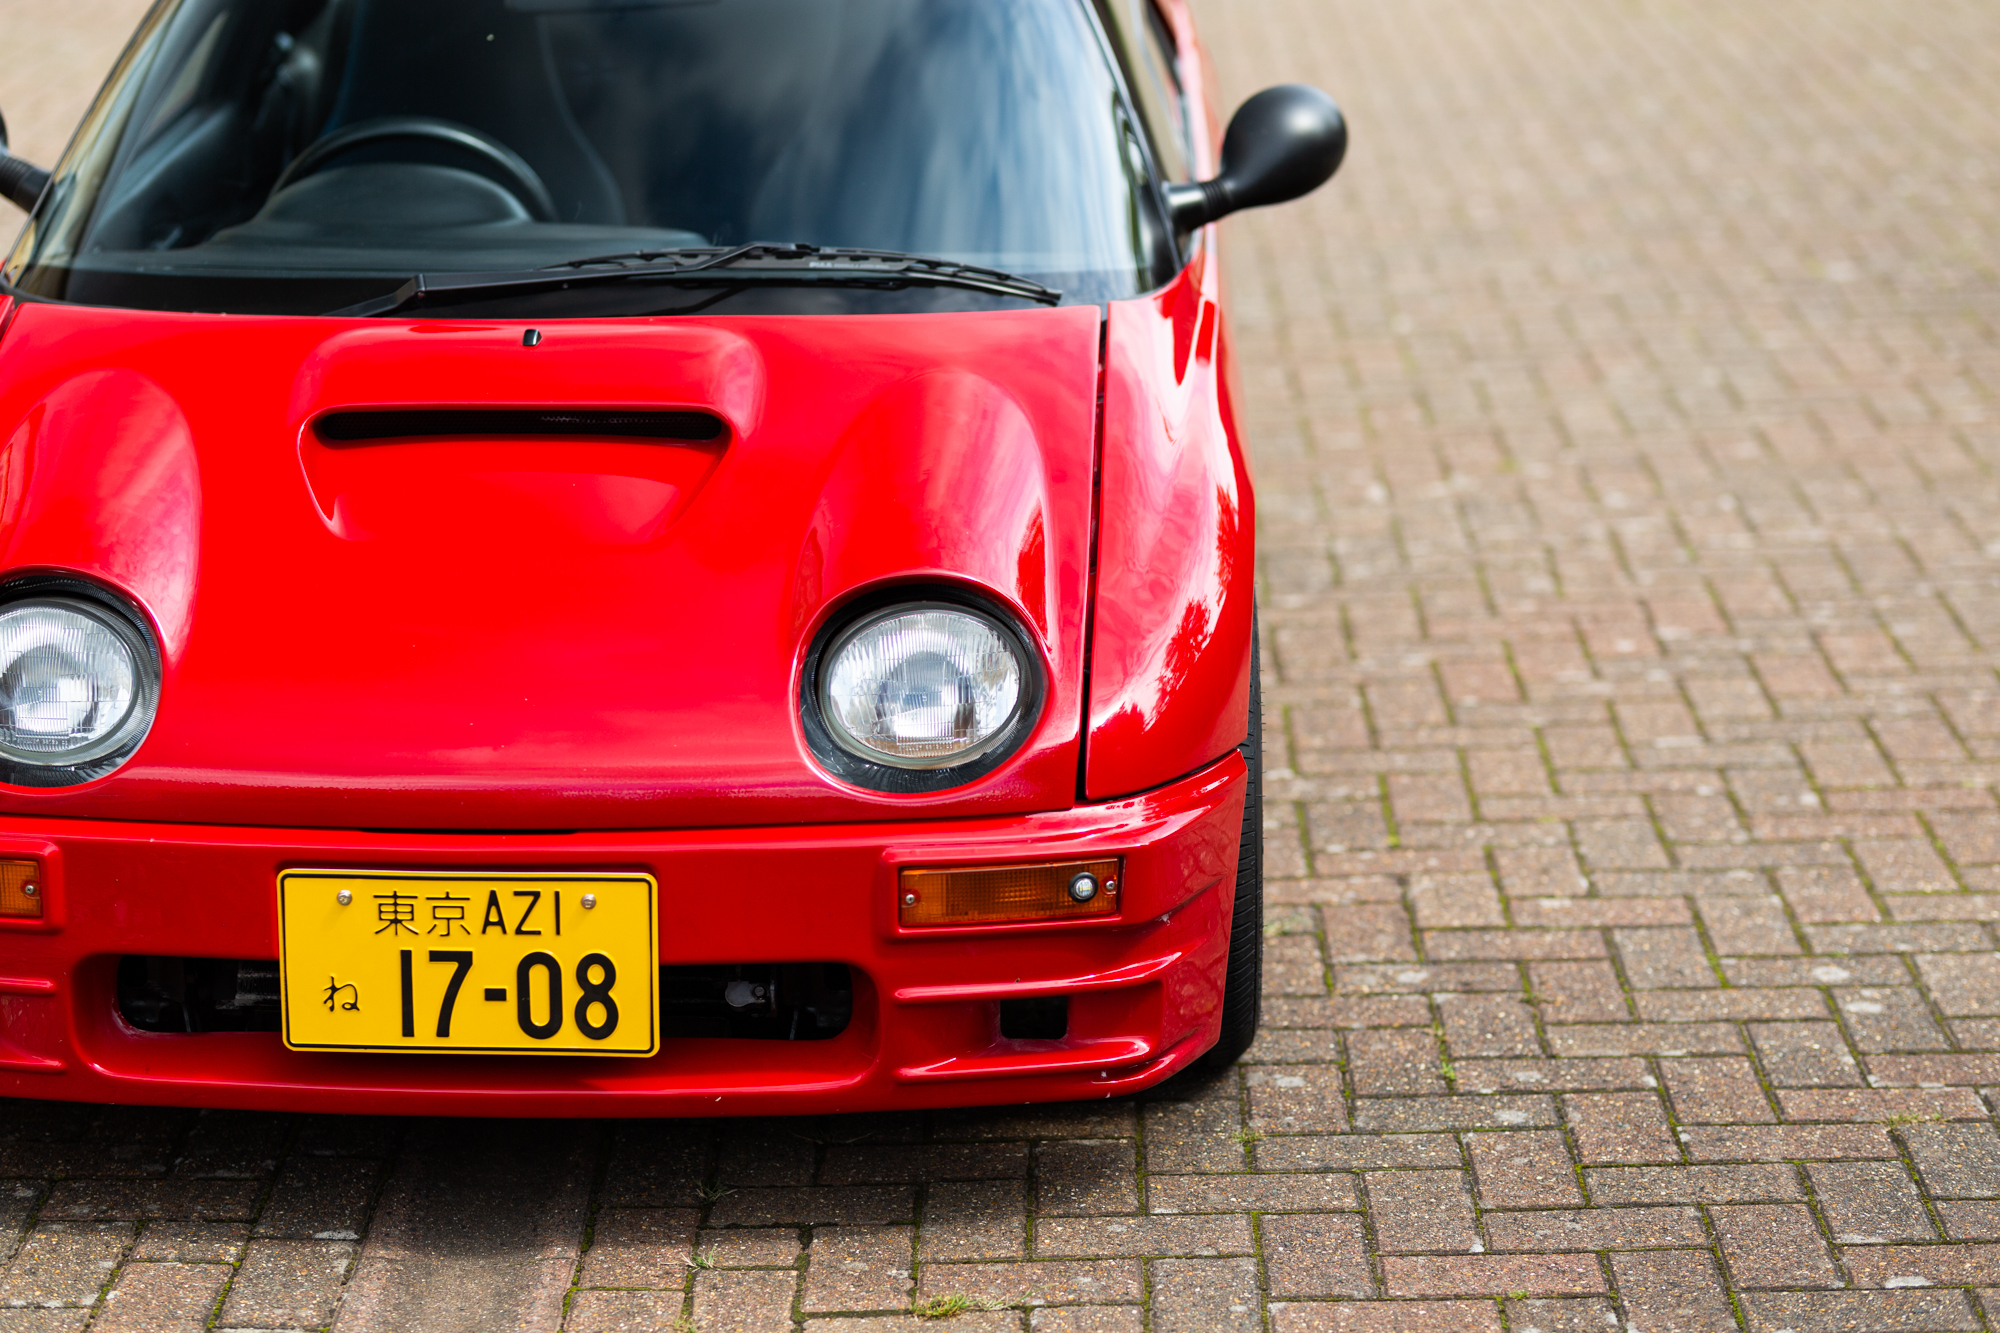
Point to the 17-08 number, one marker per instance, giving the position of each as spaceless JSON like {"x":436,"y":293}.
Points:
{"x":596,"y":1013}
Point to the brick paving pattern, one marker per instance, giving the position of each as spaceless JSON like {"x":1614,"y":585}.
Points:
{"x":1624,"y":425}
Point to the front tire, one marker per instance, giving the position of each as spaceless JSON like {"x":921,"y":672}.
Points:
{"x":1243,"y":983}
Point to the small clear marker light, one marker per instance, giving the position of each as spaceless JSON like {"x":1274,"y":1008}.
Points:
{"x":1083,"y":886}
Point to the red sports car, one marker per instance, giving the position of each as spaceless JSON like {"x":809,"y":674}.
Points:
{"x":632,"y":557}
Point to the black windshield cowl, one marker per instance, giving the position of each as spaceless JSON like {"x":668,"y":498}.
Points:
{"x":710,"y":266}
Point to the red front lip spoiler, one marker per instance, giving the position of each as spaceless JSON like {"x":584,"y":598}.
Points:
{"x":1144,"y":986}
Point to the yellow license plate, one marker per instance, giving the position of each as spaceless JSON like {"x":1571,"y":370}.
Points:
{"x":467,"y":962}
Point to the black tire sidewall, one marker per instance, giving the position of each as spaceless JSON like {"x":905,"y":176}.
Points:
{"x":1243,"y":981}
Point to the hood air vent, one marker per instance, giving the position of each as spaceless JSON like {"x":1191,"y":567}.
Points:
{"x":539,"y":423}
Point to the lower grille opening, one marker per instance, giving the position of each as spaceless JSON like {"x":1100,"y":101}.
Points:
{"x":757,"y":1001}
{"x":1035,"y":1020}
{"x":769,"y":1001}
{"x":198,"y":994}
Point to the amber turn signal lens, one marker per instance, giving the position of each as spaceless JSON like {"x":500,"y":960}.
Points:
{"x":976,"y":895}
{"x":21,"y":888}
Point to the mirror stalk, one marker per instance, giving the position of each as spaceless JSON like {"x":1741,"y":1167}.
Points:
{"x":1195,"y":205}
{"x":22,"y":182}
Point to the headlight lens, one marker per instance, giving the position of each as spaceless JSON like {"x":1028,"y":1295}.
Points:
{"x":75,"y":682}
{"x":921,"y":686}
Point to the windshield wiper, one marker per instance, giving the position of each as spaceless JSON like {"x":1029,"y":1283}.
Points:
{"x":713,"y":266}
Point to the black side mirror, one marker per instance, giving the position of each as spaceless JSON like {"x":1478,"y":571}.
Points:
{"x":22,"y":182}
{"x":1284,"y":142}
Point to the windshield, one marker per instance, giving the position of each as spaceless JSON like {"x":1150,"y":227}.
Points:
{"x":298,"y":156}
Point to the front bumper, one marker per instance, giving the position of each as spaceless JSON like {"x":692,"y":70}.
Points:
{"x":1144,"y":986}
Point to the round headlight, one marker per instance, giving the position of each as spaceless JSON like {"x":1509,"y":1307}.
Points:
{"x":921,"y":686}
{"x":75,"y":682}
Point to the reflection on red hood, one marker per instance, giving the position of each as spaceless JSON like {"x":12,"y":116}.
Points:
{"x":538,"y":632}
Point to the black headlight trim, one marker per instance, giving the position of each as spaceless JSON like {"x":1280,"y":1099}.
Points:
{"x":849,"y":767}
{"x":123,"y":617}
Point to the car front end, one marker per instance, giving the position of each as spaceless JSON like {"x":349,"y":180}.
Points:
{"x":478,"y":637}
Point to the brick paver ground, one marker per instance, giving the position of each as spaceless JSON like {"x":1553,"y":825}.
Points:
{"x":1624,"y":423}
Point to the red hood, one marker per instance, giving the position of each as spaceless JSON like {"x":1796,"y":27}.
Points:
{"x":538,"y":634}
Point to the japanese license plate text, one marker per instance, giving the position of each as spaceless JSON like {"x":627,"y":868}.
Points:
{"x":467,"y":962}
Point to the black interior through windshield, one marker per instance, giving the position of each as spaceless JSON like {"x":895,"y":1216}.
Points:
{"x":294,"y":156}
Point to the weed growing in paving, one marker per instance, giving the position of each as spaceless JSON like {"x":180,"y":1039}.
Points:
{"x":944,"y":1307}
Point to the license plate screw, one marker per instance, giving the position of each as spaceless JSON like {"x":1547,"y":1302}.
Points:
{"x":344,"y":897}
{"x":589,"y":901}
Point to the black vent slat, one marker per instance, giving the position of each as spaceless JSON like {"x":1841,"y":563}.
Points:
{"x":490,"y":423}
